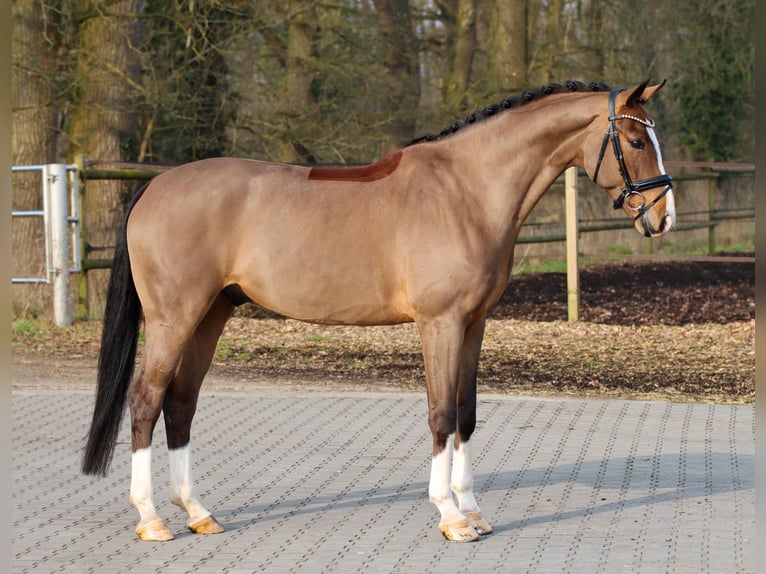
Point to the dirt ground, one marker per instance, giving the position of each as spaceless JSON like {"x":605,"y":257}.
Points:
{"x":677,"y":329}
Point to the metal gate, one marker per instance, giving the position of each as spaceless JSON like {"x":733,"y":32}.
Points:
{"x":61,"y":221}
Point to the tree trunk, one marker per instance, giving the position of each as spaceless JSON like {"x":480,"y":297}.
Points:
{"x":456,"y":90}
{"x":103,"y":126}
{"x":402,"y":63}
{"x":548,"y":53}
{"x":299,"y":105}
{"x":517,"y":55}
{"x":596,"y":64}
{"x":33,"y":141}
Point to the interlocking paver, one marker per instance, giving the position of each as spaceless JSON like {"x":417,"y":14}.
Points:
{"x":308,"y":481}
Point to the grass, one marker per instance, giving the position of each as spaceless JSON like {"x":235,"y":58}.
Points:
{"x":620,"y":250}
{"x":26,"y":328}
{"x":362,"y":364}
{"x":83,"y":337}
{"x":222,"y":350}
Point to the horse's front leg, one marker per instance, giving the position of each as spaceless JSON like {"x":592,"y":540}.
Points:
{"x":462,"y":486}
{"x":442,"y":352}
{"x":462,"y":471}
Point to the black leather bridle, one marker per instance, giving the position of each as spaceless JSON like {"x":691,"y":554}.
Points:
{"x":632,"y":188}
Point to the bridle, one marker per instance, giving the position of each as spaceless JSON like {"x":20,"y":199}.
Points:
{"x":632,"y":188}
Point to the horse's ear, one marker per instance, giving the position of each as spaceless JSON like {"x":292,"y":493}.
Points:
{"x":641,"y":94}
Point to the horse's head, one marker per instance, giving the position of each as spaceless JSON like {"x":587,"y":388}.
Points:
{"x":632,"y":171}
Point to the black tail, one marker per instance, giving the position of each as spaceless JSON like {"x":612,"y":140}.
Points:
{"x":119,"y":340}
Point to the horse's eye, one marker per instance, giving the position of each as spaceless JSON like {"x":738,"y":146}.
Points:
{"x":637,"y":144}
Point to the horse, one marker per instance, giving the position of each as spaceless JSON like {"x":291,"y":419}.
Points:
{"x":426,"y":235}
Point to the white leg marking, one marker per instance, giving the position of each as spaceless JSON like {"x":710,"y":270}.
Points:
{"x":462,"y":479}
{"x":141,"y":485}
{"x":439,"y":488}
{"x":182,"y":486}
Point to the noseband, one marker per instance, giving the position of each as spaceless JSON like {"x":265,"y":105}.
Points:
{"x":631,"y":187}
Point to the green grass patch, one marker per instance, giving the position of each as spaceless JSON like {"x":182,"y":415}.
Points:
{"x":620,"y":250}
{"x":361,"y":364}
{"x":26,"y":328}
{"x":222,"y":350}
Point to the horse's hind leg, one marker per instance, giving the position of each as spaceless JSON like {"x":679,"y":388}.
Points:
{"x":179,"y":407}
{"x":164,"y":346}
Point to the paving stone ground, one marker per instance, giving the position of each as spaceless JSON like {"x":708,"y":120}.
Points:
{"x":309,"y":481}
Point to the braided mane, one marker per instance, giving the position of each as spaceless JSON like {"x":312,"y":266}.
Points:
{"x":511,"y":102}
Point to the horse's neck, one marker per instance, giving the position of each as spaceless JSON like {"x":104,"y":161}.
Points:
{"x":518,"y":155}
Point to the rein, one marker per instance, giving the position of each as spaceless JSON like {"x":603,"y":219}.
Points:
{"x":632,"y":188}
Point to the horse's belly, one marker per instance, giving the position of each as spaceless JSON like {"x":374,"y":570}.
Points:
{"x":333,"y":293}
{"x":333,"y":310}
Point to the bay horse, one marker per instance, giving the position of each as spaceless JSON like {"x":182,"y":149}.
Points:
{"x":426,"y":234}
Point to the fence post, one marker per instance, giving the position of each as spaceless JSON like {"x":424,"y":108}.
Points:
{"x":83,"y":307}
{"x":572,"y":249}
{"x":711,"y":189}
{"x":56,"y":182}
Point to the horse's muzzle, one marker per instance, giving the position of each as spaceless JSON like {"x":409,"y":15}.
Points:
{"x":644,"y":225}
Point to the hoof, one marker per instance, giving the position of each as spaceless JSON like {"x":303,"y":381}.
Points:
{"x":481,"y":526}
{"x":459,"y":531}
{"x":155,"y":531}
{"x":207,"y":525}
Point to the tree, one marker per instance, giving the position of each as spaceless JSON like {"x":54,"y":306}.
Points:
{"x":545,"y":27}
{"x":713,"y":78}
{"x":299,"y":106}
{"x":402,"y":64}
{"x":516,"y":22}
{"x":103,"y":120}
{"x":499,"y":44}
{"x":186,"y":100}
{"x":461,"y":50}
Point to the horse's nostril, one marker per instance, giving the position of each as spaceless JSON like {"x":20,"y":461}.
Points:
{"x":668,"y":223}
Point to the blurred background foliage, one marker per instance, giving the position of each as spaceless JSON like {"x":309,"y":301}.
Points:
{"x":347,"y":80}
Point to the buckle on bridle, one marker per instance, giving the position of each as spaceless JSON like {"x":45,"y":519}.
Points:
{"x":636,"y":190}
